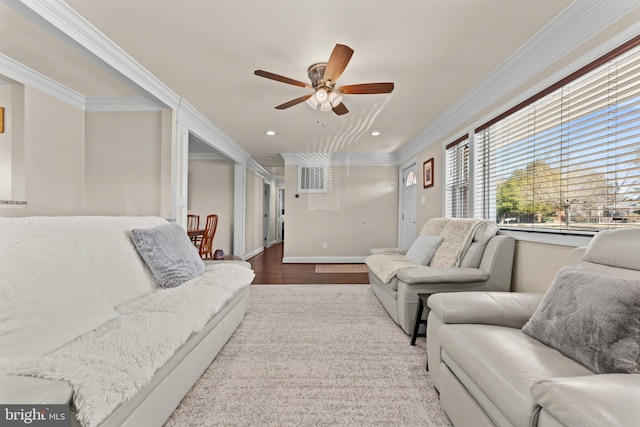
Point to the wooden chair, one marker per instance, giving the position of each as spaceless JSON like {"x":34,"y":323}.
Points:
{"x":193,"y":224}
{"x":206,"y":246}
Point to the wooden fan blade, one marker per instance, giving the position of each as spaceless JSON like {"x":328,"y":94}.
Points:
{"x":340,"y":109}
{"x":293,"y":102}
{"x":337,"y":62}
{"x":279,"y":78}
{"x":366,"y":88}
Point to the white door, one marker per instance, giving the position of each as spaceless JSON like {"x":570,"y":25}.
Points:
{"x":408,"y":207}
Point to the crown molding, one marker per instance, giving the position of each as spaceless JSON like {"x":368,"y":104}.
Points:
{"x":259,"y":170}
{"x":205,"y":156}
{"x":341,"y":159}
{"x":576,"y":24}
{"x":30,"y":77}
{"x":59,"y":19}
{"x":115,"y":103}
{"x":208,"y":133}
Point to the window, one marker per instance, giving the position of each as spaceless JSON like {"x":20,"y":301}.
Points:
{"x":312,"y":179}
{"x":569,"y":157}
{"x":457,"y":178}
{"x":411,"y":179}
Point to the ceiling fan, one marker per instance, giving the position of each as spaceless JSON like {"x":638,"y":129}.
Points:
{"x":324,"y":75}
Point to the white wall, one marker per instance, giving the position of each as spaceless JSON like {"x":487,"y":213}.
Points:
{"x":358,"y":212}
{"x":123,"y":163}
{"x":53,"y":156}
{"x":211,"y":192}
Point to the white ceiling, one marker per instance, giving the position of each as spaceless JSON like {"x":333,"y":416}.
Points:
{"x":434,"y":51}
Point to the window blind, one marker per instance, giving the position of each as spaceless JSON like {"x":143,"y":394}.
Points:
{"x":569,"y":160}
{"x":457,"y":178}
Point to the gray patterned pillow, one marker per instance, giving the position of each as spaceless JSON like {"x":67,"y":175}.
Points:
{"x":592,"y":318}
{"x":169,"y":254}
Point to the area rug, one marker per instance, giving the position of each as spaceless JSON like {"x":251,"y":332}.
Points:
{"x":314,"y":355}
{"x":341,"y":268}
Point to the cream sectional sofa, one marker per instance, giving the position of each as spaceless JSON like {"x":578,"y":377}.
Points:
{"x":581,"y":369}
{"x":481,"y":260}
{"x":84,"y":321}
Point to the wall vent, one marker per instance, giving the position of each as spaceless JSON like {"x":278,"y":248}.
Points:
{"x":312,"y":179}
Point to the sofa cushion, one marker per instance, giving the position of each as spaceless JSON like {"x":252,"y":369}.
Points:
{"x":615,"y":248}
{"x":423,"y":248}
{"x":169,"y":253}
{"x":504,"y":371}
{"x":592,"y":318}
{"x":48,"y":295}
{"x":105,"y":242}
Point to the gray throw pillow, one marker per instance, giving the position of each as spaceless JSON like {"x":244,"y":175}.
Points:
{"x":592,"y":318}
{"x":169,"y":254}
{"x":423,"y":249}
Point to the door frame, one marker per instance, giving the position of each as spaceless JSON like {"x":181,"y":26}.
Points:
{"x":266,"y":202}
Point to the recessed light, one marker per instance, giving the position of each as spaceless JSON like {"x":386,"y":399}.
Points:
{"x":375,"y":133}
{"x":268,"y":158}
{"x":270,"y":132}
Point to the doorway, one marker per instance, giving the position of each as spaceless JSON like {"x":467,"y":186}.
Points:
{"x":407,"y":225}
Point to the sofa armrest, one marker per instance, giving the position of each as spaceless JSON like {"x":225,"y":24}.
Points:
{"x":387,"y":251}
{"x":415,"y":275}
{"x":511,"y":309}
{"x":598,"y":400}
{"x":16,"y":389}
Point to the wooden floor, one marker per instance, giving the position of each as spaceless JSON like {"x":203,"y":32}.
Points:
{"x":270,"y":270}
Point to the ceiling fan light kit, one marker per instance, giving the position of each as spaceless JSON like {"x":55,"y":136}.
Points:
{"x":323,"y":76}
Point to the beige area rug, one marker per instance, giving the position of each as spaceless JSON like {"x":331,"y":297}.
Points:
{"x":314,"y":355}
{"x":341,"y":268}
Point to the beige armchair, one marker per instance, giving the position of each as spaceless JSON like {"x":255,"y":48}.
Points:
{"x":471,"y":256}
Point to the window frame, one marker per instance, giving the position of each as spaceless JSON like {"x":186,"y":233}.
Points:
{"x":476,"y":186}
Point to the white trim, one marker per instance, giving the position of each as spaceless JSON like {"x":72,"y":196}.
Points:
{"x":59,"y":19}
{"x":239,"y":207}
{"x":21,"y":73}
{"x":205,"y":156}
{"x":256,"y":168}
{"x":576,"y":24}
{"x":341,"y":159}
{"x":575,"y":240}
{"x":273,"y":242}
{"x":208,"y":133}
{"x":120,"y":103}
{"x":252,"y":254}
{"x":323,"y":260}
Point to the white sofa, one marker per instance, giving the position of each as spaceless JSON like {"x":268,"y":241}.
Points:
{"x":491,"y":373}
{"x":123,"y":349}
{"x":482,"y":260}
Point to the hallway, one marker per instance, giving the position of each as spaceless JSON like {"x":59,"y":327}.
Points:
{"x":270,"y":270}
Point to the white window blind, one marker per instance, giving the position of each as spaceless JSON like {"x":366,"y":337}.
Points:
{"x":571,"y":159}
{"x":457,"y":178}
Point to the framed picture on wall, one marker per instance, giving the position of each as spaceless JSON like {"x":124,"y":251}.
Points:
{"x":427,"y":173}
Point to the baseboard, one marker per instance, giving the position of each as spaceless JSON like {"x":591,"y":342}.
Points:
{"x":252,"y":254}
{"x":323,"y":260}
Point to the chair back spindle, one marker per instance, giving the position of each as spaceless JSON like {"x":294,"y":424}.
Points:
{"x":206,"y":247}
